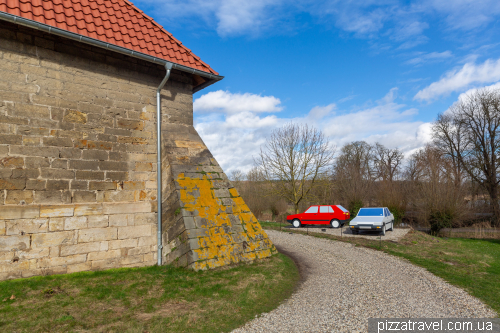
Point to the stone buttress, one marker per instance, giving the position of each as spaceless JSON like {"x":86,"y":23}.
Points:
{"x":206,"y":223}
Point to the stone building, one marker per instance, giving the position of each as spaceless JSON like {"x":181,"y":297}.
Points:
{"x":78,"y":146}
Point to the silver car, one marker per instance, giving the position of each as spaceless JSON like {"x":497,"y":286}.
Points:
{"x":374,"y":219}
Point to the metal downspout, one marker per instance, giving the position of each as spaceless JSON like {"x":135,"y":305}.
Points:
{"x":168,"y":67}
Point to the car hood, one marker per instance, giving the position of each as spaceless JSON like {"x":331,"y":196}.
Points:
{"x":367,"y":220}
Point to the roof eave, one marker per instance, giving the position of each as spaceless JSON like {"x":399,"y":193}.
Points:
{"x":212,"y":78}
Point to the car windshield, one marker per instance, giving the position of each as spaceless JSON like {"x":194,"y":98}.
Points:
{"x":371,"y":212}
{"x":343,"y":209}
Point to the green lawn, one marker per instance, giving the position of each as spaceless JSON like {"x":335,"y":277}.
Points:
{"x":471,"y":264}
{"x":150,"y":299}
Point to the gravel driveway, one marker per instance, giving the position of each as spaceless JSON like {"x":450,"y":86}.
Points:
{"x":393,"y":235}
{"x":373,"y":284}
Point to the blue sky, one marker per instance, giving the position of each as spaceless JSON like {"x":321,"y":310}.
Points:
{"x":379,"y":71}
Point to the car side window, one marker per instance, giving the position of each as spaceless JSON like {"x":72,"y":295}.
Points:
{"x":323,"y":209}
{"x":330,"y":209}
{"x":386,"y":212}
{"x":313,"y":209}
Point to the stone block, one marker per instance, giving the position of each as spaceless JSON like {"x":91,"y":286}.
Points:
{"x":97,"y":234}
{"x":105,"y":264}
{"x":53,"y":239}
{"x":2,"y":228}
{"x":131,"y":260}
{"x":99,"y":155}
{"x":121,"y":220}
{"x":35,"y":184}
{"x":123,"y":243}
{"x":57,"y":211}
{"x":61,"y":261}
{"x":102,"y":255}
{"x":139,"y":250}
{"x":221,"y":193}
{"x":37,"y":162}
{"x":126,"y":208}
{"x":21,"y":227}
{"x":56,"y":224}
{"x":11,"y":162}
{"x":113,"y":166}
{"x":134,"y":232}
{"x":134,"y":185}
{"x":19,"y":212}
{"x":84,"y":266}
{"x":68,"y":250}
{"x":147,"y":241}
{"x":57,"y":184}
{"x":145,"y":218}
{"x":84,"y":196}
{"x":12,"y":184}
{"x":14,"y":242}
{"x":98,"y":221}
{"x":73,"y":116}
{"x":18,"y":197}
{"x":102,"y":186}
{"x":87,"y":210}
{"x":76,"y":222}
{"x":89,"y":175}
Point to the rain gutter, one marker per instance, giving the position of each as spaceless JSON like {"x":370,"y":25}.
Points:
{"x":212,"y":78}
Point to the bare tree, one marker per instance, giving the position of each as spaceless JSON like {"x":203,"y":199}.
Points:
{"x":435,"y":196}
{"x":469,"y":134}
{"x":293,"y":159}
{"x":354,"y":173}
{"x":387,"y":162}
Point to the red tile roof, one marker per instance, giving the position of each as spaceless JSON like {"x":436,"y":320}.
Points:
{"x":117,"y":22}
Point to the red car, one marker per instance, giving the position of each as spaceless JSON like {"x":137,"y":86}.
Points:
{"x":334,"y":215}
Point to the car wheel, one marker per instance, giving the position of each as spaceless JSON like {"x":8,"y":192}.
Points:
{"x":296,"y":223}
{"x":335,"y":223}
{"x":392,"y":225}
{"x":383,"y":230}
{"x":355,"y":232}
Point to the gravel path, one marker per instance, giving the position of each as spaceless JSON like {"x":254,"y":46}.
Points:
{"x":393,"y":235}
{"x":374,"y":285}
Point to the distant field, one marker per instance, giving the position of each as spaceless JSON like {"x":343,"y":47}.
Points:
{"x":150,"y":299}
{"x":472,"y":264}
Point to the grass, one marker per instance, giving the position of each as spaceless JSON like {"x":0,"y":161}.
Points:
{"x":149,"y":299}
{"x":471,"y":264}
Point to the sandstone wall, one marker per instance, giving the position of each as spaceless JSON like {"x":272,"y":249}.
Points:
{"x":78,"y":154}
{"x":78,"y":166}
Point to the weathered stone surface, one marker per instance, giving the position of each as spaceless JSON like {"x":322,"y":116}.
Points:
{"x":21,"y":227}
{"x":56,"y":211}
{"x":14,"y":242}
{"x":19,"y":212}
{"x":77,"y":222}
{"x":53,"y":239}
{"x":97,"y":234}
{"x":67,"y":250}
{"x":133,"y":232}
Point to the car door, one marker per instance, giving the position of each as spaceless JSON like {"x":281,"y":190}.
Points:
{"x":325,"y":215}
{"x":310,"y":216}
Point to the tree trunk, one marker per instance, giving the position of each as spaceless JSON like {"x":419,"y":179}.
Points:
{"x":494,"y":204}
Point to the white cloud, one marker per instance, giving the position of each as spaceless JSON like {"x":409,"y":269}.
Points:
{"x":226,"y":102}
{"x":429,"y":57}
{"x":236,"y":137}
{"x":462,"y":78}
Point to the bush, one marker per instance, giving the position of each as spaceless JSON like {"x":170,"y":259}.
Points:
{"x":354,"y":207}
{"x":440,"y":220}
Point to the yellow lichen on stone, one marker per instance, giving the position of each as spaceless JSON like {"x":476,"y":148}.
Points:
{"x":220,"y":247}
